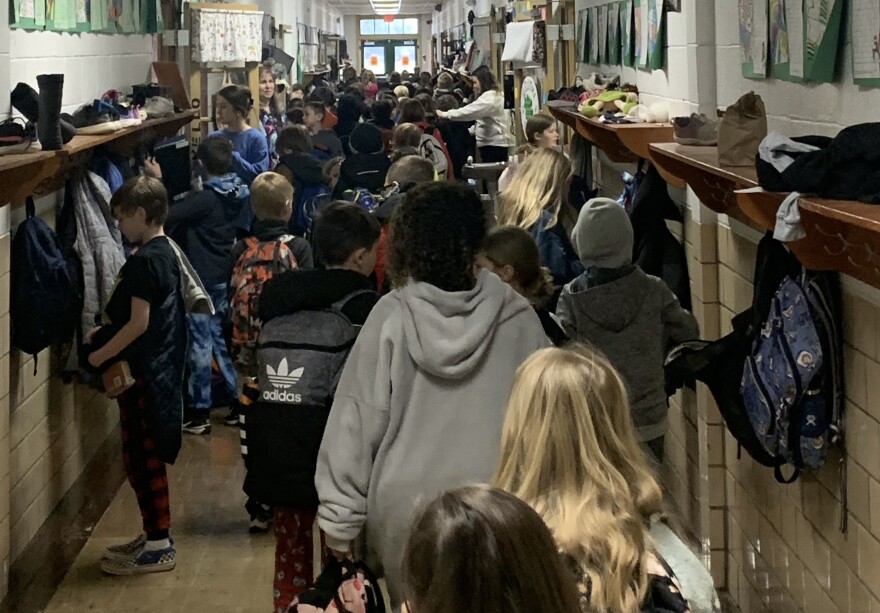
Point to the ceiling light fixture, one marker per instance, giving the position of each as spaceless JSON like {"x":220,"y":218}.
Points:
{"x":385,"y":7}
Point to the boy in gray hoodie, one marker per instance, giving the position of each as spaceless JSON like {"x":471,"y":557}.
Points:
{"x":632,"y":317}
{"x":422,"y":398}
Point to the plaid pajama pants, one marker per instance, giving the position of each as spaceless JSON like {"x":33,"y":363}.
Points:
{"x":294,"y":555}
{"x":143,"y":467}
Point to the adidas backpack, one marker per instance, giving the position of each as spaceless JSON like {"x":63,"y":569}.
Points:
{"x":431,"y":149}
{"x":300,"y":357}
{"x":259,"y":262}
{"x":45,"y":300}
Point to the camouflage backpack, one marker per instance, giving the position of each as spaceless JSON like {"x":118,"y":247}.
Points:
{"x":259,"y":263}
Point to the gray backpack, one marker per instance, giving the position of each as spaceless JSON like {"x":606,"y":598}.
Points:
{"x":300,"y":359}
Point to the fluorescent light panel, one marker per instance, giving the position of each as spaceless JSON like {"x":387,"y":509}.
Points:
{"x":385,"y":7}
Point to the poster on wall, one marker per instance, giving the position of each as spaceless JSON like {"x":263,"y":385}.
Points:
{"x":753,"y":38}
{"x":866,"y":42}
{"x":529,"y":99}
{"x":823,"y":20}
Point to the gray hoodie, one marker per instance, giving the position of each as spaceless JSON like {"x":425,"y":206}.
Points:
{"x":634,"y":320}
{"x":419,"y":408}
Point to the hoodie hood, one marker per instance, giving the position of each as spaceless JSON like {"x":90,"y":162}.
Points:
{"x":603,"y":235}
{"x":231,"y":189}
{"x":612,"y":306}
{"x":304,"y":167}
{"x":366,"y":138}
{"x":315,"y":289}
{"x":448,"y":333}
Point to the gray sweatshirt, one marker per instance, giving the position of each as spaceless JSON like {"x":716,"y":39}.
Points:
{"x":634,"y":321}
{"x":419,"y":409}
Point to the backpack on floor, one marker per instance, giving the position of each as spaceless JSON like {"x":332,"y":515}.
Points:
{"x":431,"y":149}
{"x":344,"y":587}
{"x":44,"y":301}
{"x":300,"y":357}
{"x":259,"y":262}
{"x":791,"y":381}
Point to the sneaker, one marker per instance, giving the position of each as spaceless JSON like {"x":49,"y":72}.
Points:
{"x":695,"y":130}
{"x":233,"y":418}
{"x":197,"y":425}
{"x":260,"y":514}
{"x":140,"y":563}
{"x":131,"y":548}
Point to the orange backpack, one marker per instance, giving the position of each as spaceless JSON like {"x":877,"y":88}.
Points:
{"x":259,"y":263}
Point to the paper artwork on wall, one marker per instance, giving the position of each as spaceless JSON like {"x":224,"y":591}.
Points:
{"x":866,"y":42}
{"x":602,"y":27}
{"x":753,"y":37}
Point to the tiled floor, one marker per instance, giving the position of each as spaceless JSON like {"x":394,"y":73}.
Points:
{"x":220,"y":567}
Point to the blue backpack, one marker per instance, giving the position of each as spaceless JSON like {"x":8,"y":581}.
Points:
{"x":311,"y":199}
{"x":792,"y":379}
{"x":45,"y":300}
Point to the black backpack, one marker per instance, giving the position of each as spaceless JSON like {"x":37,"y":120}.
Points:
{"x":44,"y":299}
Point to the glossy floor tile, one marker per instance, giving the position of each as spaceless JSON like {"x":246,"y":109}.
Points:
{"x":220,"y":567}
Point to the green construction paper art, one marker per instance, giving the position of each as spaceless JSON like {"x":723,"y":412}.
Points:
{"x":656,"y":34}
{"x":823,"y":21}
{"x":626,"y":28}
{"x":614,"y":33}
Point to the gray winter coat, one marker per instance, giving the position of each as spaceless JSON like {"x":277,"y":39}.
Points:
{"x":98,"y":243}
{"x":634,"y":321}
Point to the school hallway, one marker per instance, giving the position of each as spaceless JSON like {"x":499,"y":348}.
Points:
{"x":220,"y":567}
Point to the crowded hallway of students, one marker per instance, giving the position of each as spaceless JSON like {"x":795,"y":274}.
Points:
{"x":386,"y":305}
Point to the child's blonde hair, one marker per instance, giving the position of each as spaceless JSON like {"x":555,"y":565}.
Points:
{"x":541,"y":182}
{"x":569,"y":450}
{"x":271,"y":196}
{"x":515,"y":247}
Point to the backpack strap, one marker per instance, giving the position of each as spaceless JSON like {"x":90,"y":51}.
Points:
{"x":342,"y":302}
{"x":30,"y":207}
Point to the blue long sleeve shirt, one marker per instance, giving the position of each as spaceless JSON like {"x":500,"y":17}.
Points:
{"x":250,"y":152}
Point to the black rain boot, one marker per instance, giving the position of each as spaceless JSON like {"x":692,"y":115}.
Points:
{"x":26,"y":100}
{"x":49,"y":120}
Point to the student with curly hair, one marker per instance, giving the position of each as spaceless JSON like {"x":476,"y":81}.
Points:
{"x":421,"y":400}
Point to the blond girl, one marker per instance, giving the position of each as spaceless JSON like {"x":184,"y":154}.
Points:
{"x":535,"y":201}
{"x":568,"y":450}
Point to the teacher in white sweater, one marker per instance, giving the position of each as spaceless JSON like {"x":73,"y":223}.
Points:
{"x":493,"y":122}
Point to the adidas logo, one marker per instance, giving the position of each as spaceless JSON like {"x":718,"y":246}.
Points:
{"x":281,"y":378}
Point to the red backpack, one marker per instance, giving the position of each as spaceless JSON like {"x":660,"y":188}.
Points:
{"x":260,"y":262}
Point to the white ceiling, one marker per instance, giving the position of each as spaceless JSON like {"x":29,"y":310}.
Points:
{"x":363,"y":7}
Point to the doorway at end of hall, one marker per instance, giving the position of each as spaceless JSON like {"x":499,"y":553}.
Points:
{"x":383,"y":57}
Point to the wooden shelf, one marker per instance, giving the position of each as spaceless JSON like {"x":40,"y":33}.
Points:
{"x":21,"y":173}
{"x":713,"y":184}
{"x":842,"y":235}
{"x":26,"y":174}
{"x":621,"y":142}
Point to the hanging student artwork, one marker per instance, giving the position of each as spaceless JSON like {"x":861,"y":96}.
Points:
{"x":99,"y":16}
{"x":753,"y":38}
{"x":656,"y":39}
{"x":529,"y":99}
{"x":602,"y":27}
{"x":614,"y":33}
{"x":629,"y":44}
{"x":866,"y":42}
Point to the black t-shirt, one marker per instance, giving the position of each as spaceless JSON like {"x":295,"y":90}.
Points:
{"x":151,"y":273}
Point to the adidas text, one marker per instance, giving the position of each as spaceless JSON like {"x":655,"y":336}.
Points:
{"x":282,"y":396}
